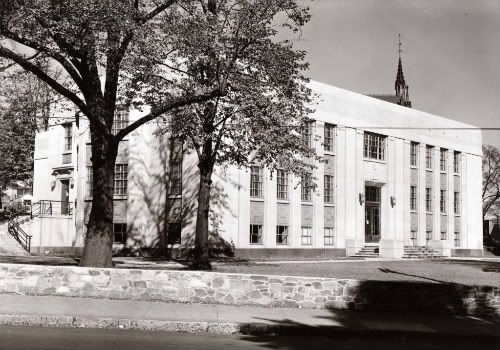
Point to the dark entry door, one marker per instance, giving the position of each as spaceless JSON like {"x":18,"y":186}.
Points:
{"x":372,"y":214}
{"x":64,"y":197}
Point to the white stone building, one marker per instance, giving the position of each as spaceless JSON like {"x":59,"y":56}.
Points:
{"x":394,"y":177}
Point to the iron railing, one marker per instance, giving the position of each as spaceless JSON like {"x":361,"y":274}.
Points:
{"x":52,"y":208}
{"x":18,"y":233}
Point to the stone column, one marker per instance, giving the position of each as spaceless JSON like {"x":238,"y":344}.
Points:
{"x":450,"y":189}
{"x":270,"y":208}
{"x":340,"y":187}
{"x":464,"y":231}
{"x":318,"y":196}
{"x":422,"y":221}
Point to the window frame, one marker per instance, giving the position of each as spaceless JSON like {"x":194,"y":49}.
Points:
{"x":282,"y":234}
{"x":257,"y":234}
{"x":281,"y":184}
{"x":329,"y":239}
{"x":428,"y":199}
{"x":328,"y":188}
{"x":89,"y":183}
{"x":413,"y":198}
{"x":256,"y":181}
{"x":443,"y":159}
{"x":120,"y":120}
{"x":414,"y":147}
{"x":307,"y":133}
{"x":121,"y":233}
{"x":374,"y":146}
{"x":442,"y":201}
{"x":456,"y":202}
{"x":329,"y":138}
{"x":306,"y":239}
{"x":68,"y":137}
{"x":306,"y":187}
{"x":429,"y":157}
{"x":456,"y":162}
{"x":120,"y":184}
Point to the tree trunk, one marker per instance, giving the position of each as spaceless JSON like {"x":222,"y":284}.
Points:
{"x":201,"y":258}
{"x":97,"y":251}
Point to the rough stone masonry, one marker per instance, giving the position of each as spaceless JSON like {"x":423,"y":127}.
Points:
{"x":242,"y":289}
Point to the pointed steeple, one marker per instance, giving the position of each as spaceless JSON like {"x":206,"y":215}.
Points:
{"x":400,"y":85}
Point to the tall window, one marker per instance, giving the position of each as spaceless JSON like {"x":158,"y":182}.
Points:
{"x":306,"y":187}
{"x":120,"y":121}
{"x":428,"y":199}
{"x":443,"y":157}
{"x":328,"y":193}
{"x":307,"y":133}
{"x":176,"y":177}
{"x":282,"y":184}
{"x":174,"y":232}
{"x":68,"y":137}
{"x":255,"y":234}
{"x":456,"y":202}
{"x":428,"y":236}
{"x":414,"y":154}
{"x":329,"y":138}
{"x":456,"y":162}
{"x":428,"y":156}
{"x":374,"y":146}
{"x":306,"y":236}
{"x":442,"y":201}
{"x":443,"y":235}
{"x":281,"y":234}
{"x":413,"y":197}
{"x":457,"y":239}
{"x":329,"y":237}
{"x":256,"y":181}
{"x":121,"y":174}
{"x":90,"y":181}
{"x":120,"y":233}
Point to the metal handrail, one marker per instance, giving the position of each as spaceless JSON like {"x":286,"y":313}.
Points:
{"x":18,"y":233}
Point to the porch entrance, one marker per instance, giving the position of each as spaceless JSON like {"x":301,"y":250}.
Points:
{"x":372,"y":214}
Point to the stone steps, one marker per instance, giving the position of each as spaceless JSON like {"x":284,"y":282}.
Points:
{"x":421,"y":252}
{"x":368,"y":252}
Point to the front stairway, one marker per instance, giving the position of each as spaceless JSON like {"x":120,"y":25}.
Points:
{"x":421,"y":252}
{"x":368,"y":251}
{"x":9,"y":246}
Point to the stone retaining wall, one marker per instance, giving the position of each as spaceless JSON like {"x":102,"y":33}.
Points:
{"x":240,"y":289}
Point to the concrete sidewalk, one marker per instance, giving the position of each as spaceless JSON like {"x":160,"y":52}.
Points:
{"x":222,"y":319}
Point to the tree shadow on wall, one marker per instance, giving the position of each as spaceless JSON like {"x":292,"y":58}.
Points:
{"x":412,"y":314}
{"x":155,"y":209}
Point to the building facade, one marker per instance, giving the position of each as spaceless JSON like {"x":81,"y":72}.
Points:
{"x":392,"y":177}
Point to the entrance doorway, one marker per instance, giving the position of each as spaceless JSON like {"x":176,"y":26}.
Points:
{"x":64,"y":197}
{"x":372,"y":214}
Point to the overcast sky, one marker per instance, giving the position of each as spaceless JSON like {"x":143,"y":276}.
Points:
{"x":450,"y":59}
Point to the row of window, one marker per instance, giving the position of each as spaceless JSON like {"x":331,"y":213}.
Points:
{"x":282,"y":236}
{"x":120,"y":180}
{"x":120,"y":233}
{"x":428,"y":200}
{"x":429,"y":158}
{"x":282,"y":185}
{"x":444,"y":236}
{"x":328,"y":136}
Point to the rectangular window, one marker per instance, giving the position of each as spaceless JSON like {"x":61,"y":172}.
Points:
{"x":282,"y":184}
{"x":307,"y":133}
{"x":443,"y":235}
{"x":121,"y":182}
{"x":120,"y":233}
{"x":329,"y":237}
{"x":306,"y":236}
{"x":175,"y":183}
{"x":428,"y":199}
{"x":256,"y":181}
{"x":174,"y":233}
{"x":456,"y":162}
{"x":120,"y":121}
{"x":413,"y":235}
{"x":428,"y":237}
{"x":90,"y":181}
{"x":413,"y":197}
{"x":414,"y":154}
{"x":372,"y":194}
{"x":443,"y":157}
{"x":68,"y":137}
{"x":456,"y":202}
{"x":281,"y":234}
{"x":255,"y":234}
{"x":374,"y":146}
{"x":457,"y":239}
{"x":329,"y":138}
{"x":306,"y":187}
{"x":428,"y":156}
{"x":442,"y":201}
{"x":328,"y":193}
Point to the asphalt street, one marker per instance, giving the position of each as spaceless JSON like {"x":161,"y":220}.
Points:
{"x":17,"y":338}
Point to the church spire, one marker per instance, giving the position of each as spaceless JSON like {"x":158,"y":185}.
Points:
{"x":400,"y":85}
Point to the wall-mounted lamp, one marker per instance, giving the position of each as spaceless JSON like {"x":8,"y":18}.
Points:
{"x":361,"y":198}
{"x":53,"y":185}
{"x":393,"y":201}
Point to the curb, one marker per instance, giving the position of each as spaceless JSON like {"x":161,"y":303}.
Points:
{"x":222,"y":328}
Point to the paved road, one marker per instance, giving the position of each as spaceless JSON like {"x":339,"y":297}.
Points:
{"x":17,"y":338}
